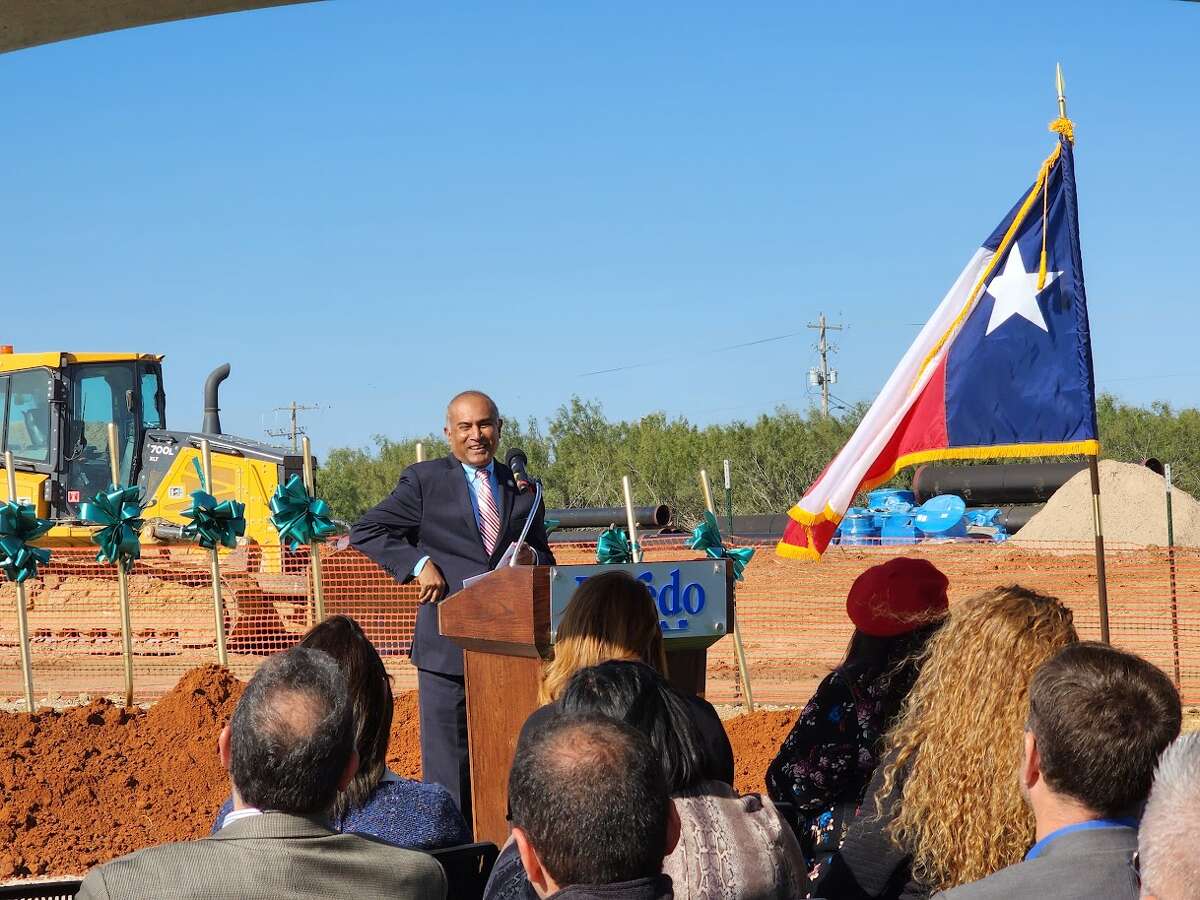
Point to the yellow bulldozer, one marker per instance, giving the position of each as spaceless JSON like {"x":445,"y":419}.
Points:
{"x":56,"y":409}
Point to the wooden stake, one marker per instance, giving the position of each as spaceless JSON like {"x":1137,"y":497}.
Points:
{"x":631,"y":519}
{"x":1101,"y":571}
{"x":114,"y":458}
{"x":420,"y":452}
{"x":314,"y":548}
{"x":22,"y":610}
{"x":739,"y":649}
{"x":215,"y":562}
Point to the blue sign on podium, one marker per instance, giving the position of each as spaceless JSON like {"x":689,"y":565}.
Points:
{"x":692,"y":597}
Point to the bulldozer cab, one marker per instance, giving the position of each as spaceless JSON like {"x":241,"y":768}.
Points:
{"x":128,"y":394}
{"x":56,"y":409}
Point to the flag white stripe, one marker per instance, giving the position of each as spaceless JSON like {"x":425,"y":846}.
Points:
{"x":836,"y":488}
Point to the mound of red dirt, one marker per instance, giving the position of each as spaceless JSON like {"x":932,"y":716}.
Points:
{"x":756,"y":738}
{"x":83,"y":785}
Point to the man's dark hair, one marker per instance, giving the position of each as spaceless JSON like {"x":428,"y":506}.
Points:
{"x":292,"y":734}
{"x":589,"y":793}
{"x":1101,"y":718}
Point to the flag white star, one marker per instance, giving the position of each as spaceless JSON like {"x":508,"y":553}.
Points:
{"x":1015,"y":293}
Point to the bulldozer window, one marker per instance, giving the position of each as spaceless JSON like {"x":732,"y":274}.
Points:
{"x":151,"y":401}
{"x":28,"y":431}
{"x":100,"y":396}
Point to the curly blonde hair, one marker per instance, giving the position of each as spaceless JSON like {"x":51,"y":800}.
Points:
{"x":956,"y":747}
{"x":611,"y":616}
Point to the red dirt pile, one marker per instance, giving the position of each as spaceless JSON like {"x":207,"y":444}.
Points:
{"x":86,"y":784}
{"x":756,"y":738}
{"x":83,"y":785}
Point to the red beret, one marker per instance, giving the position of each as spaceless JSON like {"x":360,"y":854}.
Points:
{"x":897,"y":596}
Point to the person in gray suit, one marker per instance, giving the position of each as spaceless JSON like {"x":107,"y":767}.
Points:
{"x":1098,"y":721}
{"x":1170,"y":830}
{"x":289,"y":750}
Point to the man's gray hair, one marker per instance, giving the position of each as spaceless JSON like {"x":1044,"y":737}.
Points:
{"x":1170,"y":829}
{"x":292,"y":734}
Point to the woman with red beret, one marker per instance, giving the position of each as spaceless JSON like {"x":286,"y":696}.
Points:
{"x":826,"y":761}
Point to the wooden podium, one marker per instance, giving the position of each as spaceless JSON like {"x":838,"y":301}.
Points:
{"x":505,"y":624}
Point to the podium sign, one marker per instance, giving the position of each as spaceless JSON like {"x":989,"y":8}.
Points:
{"x":691,"y":596}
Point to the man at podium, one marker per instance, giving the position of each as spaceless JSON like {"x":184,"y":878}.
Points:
{"x":448,"y":520}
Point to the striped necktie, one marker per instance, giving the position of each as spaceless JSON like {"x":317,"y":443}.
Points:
{"x":489,"y":516}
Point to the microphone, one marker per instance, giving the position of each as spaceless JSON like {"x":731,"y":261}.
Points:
{"x":517,"y":461}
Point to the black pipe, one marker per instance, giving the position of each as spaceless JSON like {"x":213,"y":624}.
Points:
{"x":1015,"y":517}
{"x":603,"y":516}
{"x":212,"y":410}
{"x":995,"y":485}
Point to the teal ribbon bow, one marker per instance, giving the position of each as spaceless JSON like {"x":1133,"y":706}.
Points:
{"x":707,"y":537}
{"x":299,"y":518}
{"x":19,"y":524}
{"x":613,"y":548}
{"x":118,"y":512}
{"x":215,"y":523}
{"x":551,"y":525}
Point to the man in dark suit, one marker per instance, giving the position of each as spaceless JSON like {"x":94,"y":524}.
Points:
{"x":1099,"y":719}
{"x":448,"y":520}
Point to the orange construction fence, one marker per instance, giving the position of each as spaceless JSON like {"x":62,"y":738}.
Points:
{"x":791,"y":613}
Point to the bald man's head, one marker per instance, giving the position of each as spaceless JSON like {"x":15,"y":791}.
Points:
{"x":473,"y":428}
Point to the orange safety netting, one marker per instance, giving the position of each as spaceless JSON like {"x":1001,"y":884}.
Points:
{"x":791,"y":614}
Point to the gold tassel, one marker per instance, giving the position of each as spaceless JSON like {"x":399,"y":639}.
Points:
{"x":1064,"y":126}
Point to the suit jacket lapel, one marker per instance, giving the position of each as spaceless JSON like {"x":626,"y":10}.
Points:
{"x":462,"y":494}
{"x":508,"y":490}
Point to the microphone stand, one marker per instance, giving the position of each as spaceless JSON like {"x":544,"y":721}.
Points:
{"x":537,"y":499}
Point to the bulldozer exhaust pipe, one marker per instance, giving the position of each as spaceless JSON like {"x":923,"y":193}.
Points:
{"x":212,"y":410}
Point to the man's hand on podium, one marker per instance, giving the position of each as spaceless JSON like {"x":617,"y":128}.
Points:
{"x":433,"y":584}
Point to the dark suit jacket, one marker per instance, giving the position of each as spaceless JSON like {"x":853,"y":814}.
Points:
{"x":266,"y":857}
{"x":430,"y":514}
{"x":1082,"y":865}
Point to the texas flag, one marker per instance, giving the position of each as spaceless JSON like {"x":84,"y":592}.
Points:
{"x":1002,"y":369}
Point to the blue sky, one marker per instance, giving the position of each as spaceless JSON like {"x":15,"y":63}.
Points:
{"x":369,"y":206}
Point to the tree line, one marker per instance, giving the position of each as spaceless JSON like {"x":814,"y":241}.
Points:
{"x":581,"y":454}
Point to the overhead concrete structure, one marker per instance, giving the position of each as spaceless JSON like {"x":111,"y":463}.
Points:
{"x":28,"y":23}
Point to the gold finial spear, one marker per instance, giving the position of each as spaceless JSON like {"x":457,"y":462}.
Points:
{"x":1062,"y":98}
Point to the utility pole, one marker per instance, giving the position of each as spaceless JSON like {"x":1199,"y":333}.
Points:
{"x":823,"y":376}
{"x":294,"y":431}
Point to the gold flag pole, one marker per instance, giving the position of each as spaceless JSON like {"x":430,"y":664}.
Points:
{"x":1093,"y":460}
{"x":22,"y":608}
{"x":114,"y":458}
{"x":1062,"y":97}
{"x":314,"y":547}
{"x":218,"y":606}
{"x":738,"y":648}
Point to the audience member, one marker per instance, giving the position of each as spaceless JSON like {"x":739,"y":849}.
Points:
{"x":1098,"y":721}
{"x":289,"y":751}
{"x":378,"y":802}
{"x":825,"y":762}
{"x":613,"y":616}
{"x":591,"y":817}
{"x":730,"y":847}
{"x":943,"y":807}
{"x":1169,"y":862}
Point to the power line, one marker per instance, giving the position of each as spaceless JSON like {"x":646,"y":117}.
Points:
{"x":725,"y":349}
